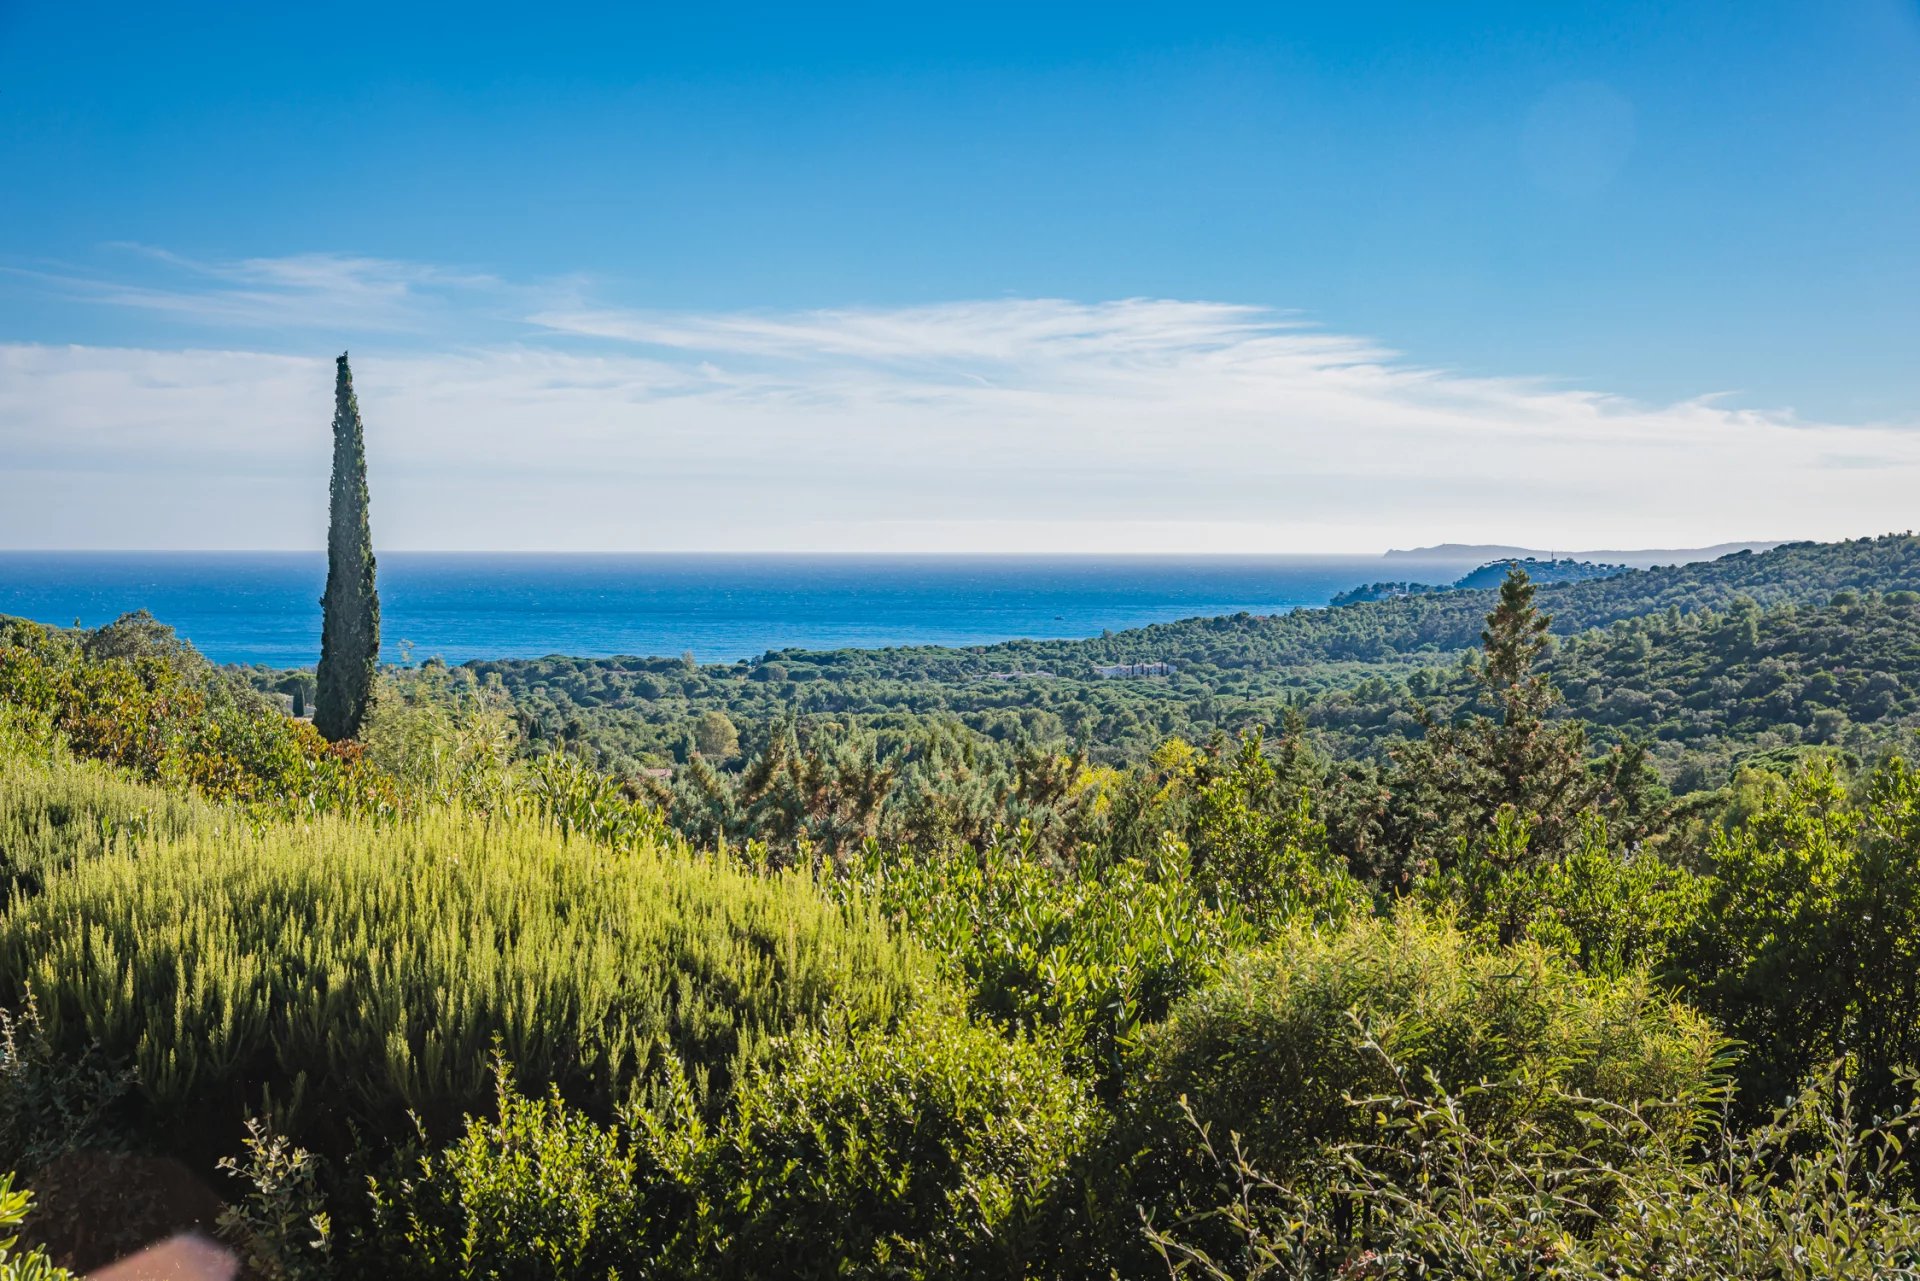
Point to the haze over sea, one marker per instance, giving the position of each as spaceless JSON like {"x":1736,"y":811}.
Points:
{"x":262,"y":607}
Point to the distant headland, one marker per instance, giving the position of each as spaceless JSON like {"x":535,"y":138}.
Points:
{"x":1638,"y":559}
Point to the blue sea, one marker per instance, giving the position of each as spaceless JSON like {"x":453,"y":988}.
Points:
{"x":263,"y":607}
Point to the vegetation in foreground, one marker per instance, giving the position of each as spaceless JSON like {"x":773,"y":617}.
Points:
{"x":1489,"y":1001}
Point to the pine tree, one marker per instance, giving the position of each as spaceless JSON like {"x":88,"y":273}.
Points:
{"x":1515,"y":638}
{"x":1451,"y":787}
{"x":350,"y":628}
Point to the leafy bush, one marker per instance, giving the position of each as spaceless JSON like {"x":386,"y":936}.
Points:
{"x":536,"y":1191}
{"x":1257,"y":846}
{"x":539,"y":1190}
{"x":581,"y":801}
{"x":345,"y":971}
{"x":937,"y":1150}
{"x":279,"y":1222}
{"x":441,"y":735}
{"x":1815,"y":1192}
{"x":1610,"y":911}
{"x":132,"y":696}
{"x":1811,"y":939}
{"x":1096,"y":954}
{"x":1278,"y":1049}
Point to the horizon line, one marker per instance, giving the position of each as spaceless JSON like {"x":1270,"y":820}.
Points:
{"x":895,"y":555}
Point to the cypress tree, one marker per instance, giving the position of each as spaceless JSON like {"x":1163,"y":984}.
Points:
{"x":350,"y":626}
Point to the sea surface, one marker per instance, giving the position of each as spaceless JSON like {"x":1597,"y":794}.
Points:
{"x":263,"y":607}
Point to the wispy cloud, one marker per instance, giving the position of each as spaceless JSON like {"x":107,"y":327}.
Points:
{"x":296,"y":292}
{"x":1004,"y":424}
{"x":1012,"y":332}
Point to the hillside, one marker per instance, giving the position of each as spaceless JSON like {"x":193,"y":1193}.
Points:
{"x":1227,"y":673}
{"x":434,"y":1003}
{"x":1486,"y":576}
{"x":1700,"y":688}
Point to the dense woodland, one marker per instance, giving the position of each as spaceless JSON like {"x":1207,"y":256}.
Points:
{"x":1560,"y":931}
{"x":1376,"y":659}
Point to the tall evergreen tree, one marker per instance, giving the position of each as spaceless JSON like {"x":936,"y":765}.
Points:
{"x":1446,"y":791}
{"x":350,"y":628}
{"x":1514,"y":639}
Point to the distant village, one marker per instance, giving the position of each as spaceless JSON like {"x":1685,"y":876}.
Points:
{"x":1117,"y":672}
{"x":1128,"y":671}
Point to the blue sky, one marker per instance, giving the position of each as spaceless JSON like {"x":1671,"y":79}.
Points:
{"x":1206,"y":277}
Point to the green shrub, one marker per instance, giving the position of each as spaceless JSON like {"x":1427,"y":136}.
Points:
{"x":441,"y":735}
{"x":1610,"y":911}
{"x":1279,"y":1047}
{"x":279,"y":1220}
{"x":581,"y":801}
{"x":55,"y":811}
{"x":935,"y":1149}
{"x":132,"y":696}
{"x":1257,"y":845}
{"x":1095,"y":953}
{"x":346,"y":971}
{"x":1810,"y":940}
{"x":939,"y":1149}
{"x":1818,"y":1191}
{"x":539,"y":1190}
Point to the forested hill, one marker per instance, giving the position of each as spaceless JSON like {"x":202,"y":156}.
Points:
{"x":1226,"y":672}
{"x":1702,"y":688}
{"x":1371,"y":631}
{"x":1488,"y":575}
{"x":1425,"y":625}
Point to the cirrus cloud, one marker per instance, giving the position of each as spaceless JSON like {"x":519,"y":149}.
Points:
{"x":1011,"y":424}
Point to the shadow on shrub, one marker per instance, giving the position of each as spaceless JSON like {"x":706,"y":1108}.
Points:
{"x":941,"y":1149}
